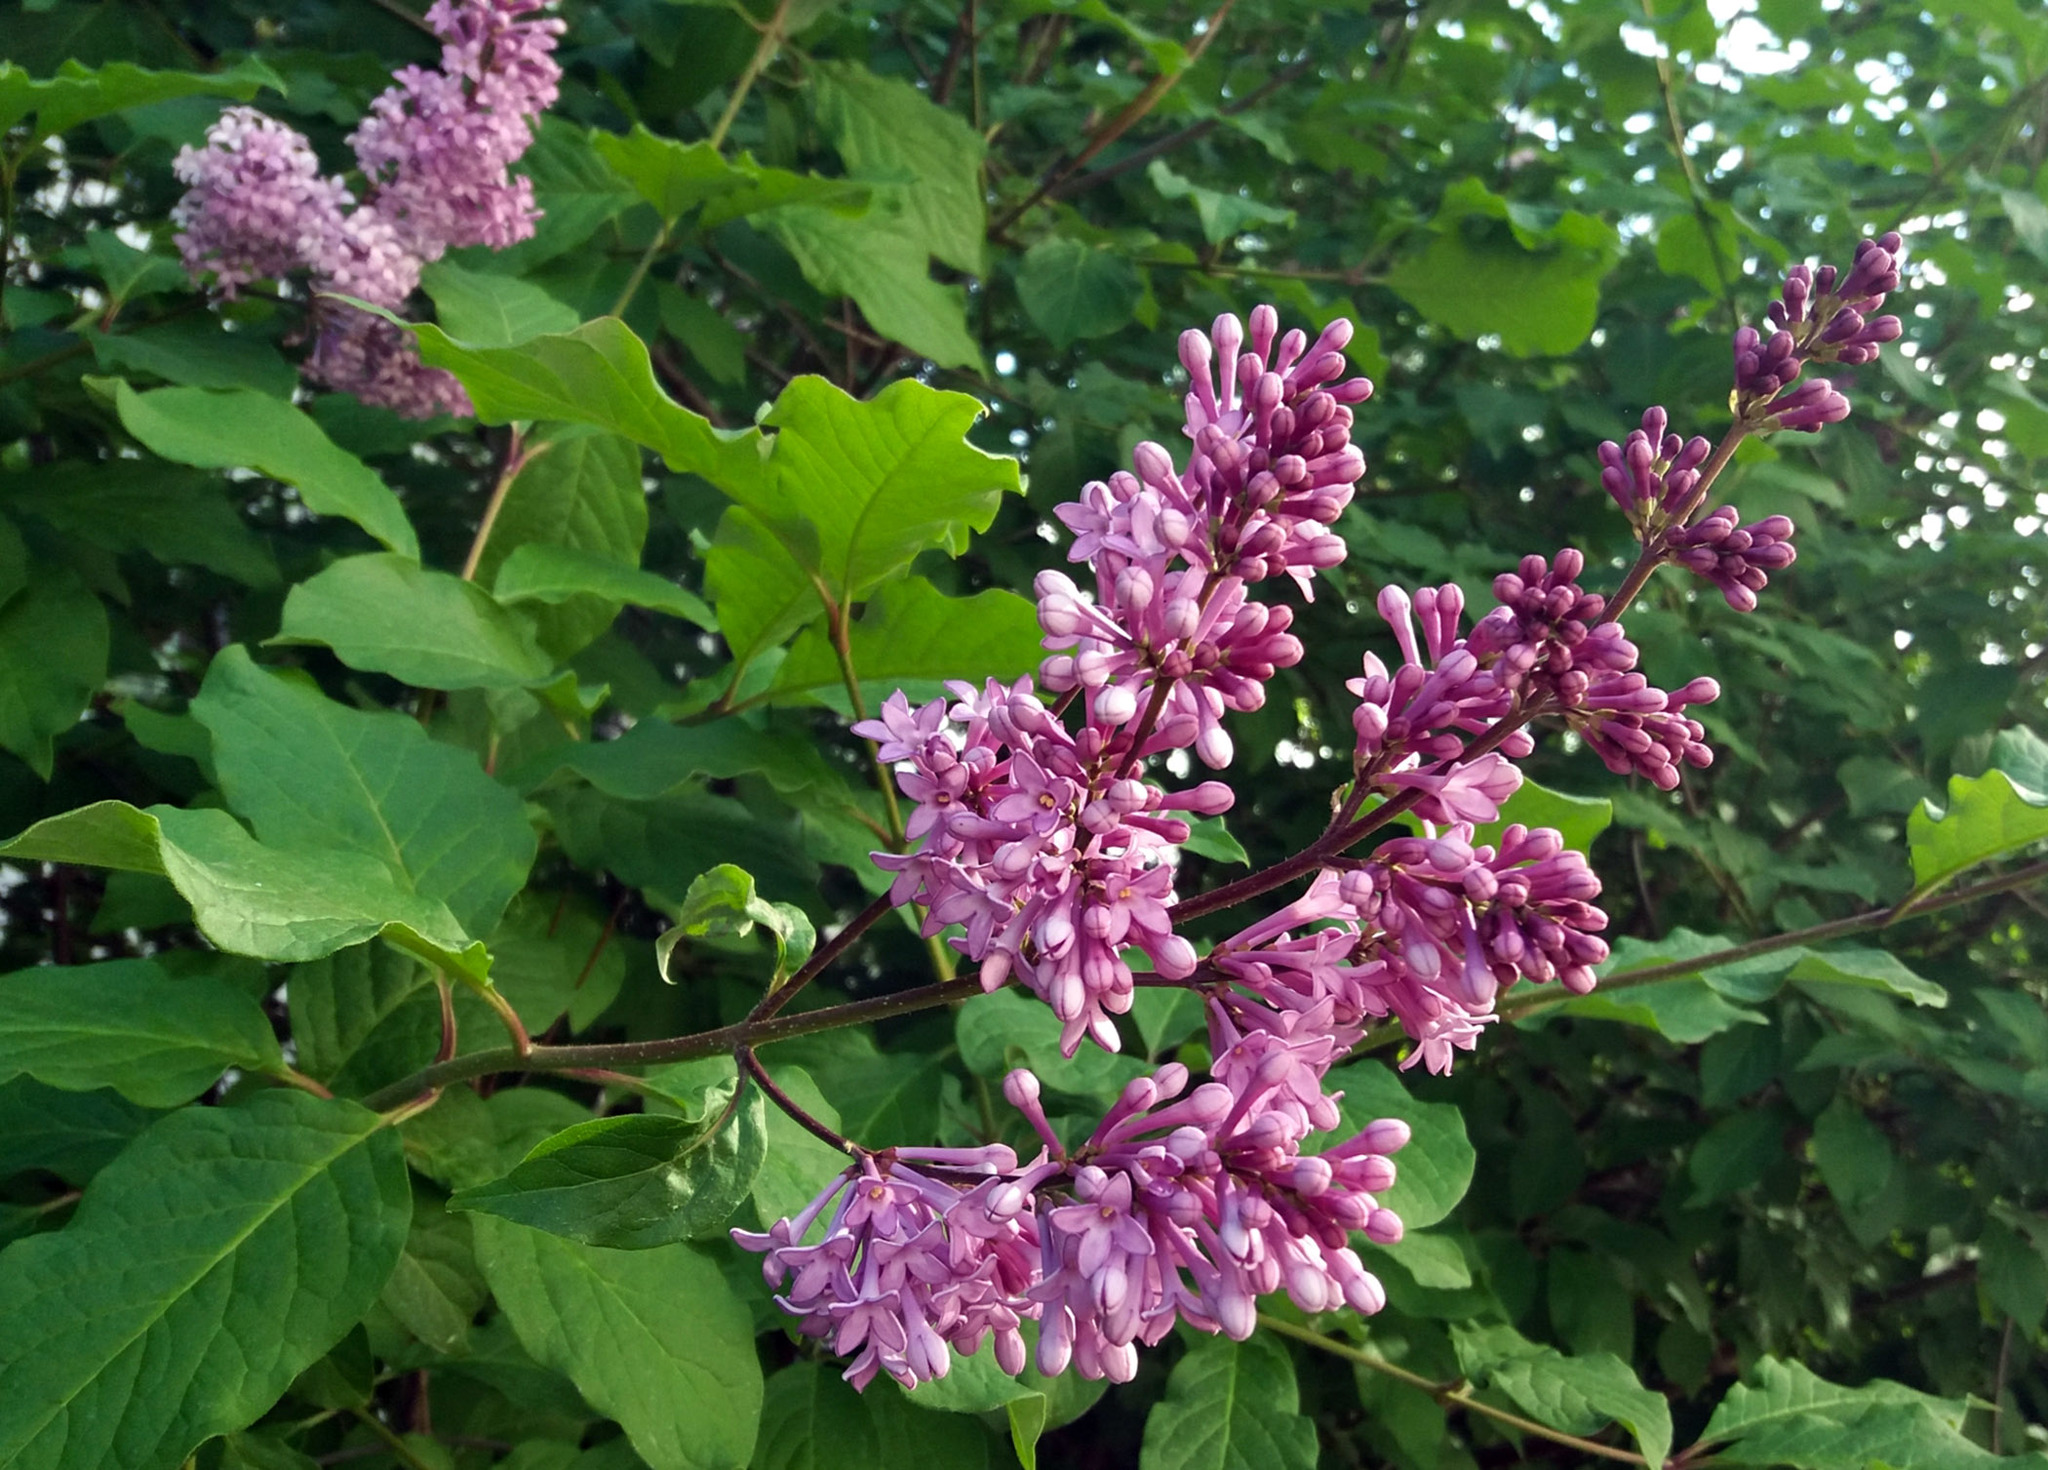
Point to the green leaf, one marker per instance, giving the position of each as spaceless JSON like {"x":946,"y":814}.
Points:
{"x":926,"y":156}
{"x":1871,"y":969}
{"x":719,"y":347}
{"x":1735,"y":1153}
{"x":656,"y":759}
{"x":71,"y":1134}
{"x":1073,"y":291}
{"x":2014,"y":1271}
{"x":635,"y":1181}
{"x":1578,"y":819}
{"x":313,"y":775}
{"x":53,"y":657}
{"x":854,"y":490}
{"x":722,"y":901}
{"x":1987,"y":817}
{"x":879,"y":260}
{"x":1433,"y":1172}
{"x":252,"y":899}
{"x":78,"y":94}
{"x":127,"y":1025}
{"x":677,"y":177}
{"x":912,"y":633}
{"x":2028,"y":216}
{"x":1167,"y":1015}
{"x":761,"y":592}
{"x":1683,"y":1010}
{"x":1582,"y":1394}
{"x":491,"y":310}
{"x":1230,"y":1406}
{"x":179,"y":517}
{"x":249,"y":1239}
{"x":1209,"y":838}
{"x":244,"y":429}
{"x":1788,"y":1416}
{"x":812,"y":1419}
{"x":1007,"y":1029}
{"x":389,"y":615}
{"x":652,"y":1338}
{"x":1538,"y":291}
{"x":196,"y":354}
{"x":1224,"y":214}
{"x":579,"y":492}
{"x":799,"y":1164}
{"x":539,"y":572}
{"x":1853,"y":1156}
{"x":363,"y":1016}
{"x":436,"y":1290}
{"x":598,"y":374}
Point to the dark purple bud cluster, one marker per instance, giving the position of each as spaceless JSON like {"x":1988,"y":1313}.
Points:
{"x":1821,"y":316}
{"x":1653,"y":472}
{"x":1735,"y":558}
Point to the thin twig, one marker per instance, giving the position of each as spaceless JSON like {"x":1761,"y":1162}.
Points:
{"x":668,"y":1049}
{"x":1118,"y":123}
{"x":751,"y":1066}
{"x":1448,"y":1394}
{"x":516,"y":459}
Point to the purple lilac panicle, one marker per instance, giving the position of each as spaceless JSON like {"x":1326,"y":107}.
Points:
{"x":435,"y":152}
{"x":1180,"y":1206}
{"x":1055,"y":857}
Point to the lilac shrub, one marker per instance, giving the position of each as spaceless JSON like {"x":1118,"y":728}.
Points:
{"x":435,"y":154}
{"x":1047,"y":854}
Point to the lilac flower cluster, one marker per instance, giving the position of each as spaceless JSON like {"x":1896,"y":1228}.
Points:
{"x":435,"y":153}
{"x":1180,"y":1206}
{"x":1046,"y":853}
{"x":1822,"y":315}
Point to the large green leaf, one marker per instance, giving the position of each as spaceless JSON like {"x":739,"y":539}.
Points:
{"x":363,"y":1016}
{"x":677,"y":177}
{"x":879,"y":261}
{"x":913,"y":634}
{"x":387,"y":614}
{"x":1230,"y":1406}
{"x":127,"y":1025}
{"x":436,"y":1289}
{"x":248,"y":1239}
{"x":761,"y":591}
{"x":79,"y":94}
{"x":1224,"y":213}
{"x":313,"y":775}
{"x":656,"y":759}
{"x":1578,"y":819}
{"x":1537,"y":288}
{"x":244,"y":429}
{"x":53,"y":657}
{"x":1583,"y":1394}
{"x":636,"y":1181}
{"x":1786,"y":1415}
{"x":1433,"y":1172}
{"x":1007,"y":1029}
{"x":71,"y":1134}
{"x":925,"y":155}
{"x":598,"y":374}
{"x":544,"y":573}
{"x":579,"y":507}
{"x":178,"y":516}
{"x":854,"y":490}
{"x":653,"y":1338}
{"x":1986,"y":817}
{"x":1072,"y":290}
{"x":493,"y":310}
{"x":811,"y":1419}
{"x":799,"y":1164}
{"x":253,"y":899}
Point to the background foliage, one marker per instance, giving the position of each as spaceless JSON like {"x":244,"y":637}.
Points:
{"x":1697,"y":1204}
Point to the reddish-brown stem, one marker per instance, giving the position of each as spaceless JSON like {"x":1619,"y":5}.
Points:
{"x":751,"y":1065}
{"x":670,"y":1048}
{"x":823,"y":956}
{"x":1653,"y":552}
